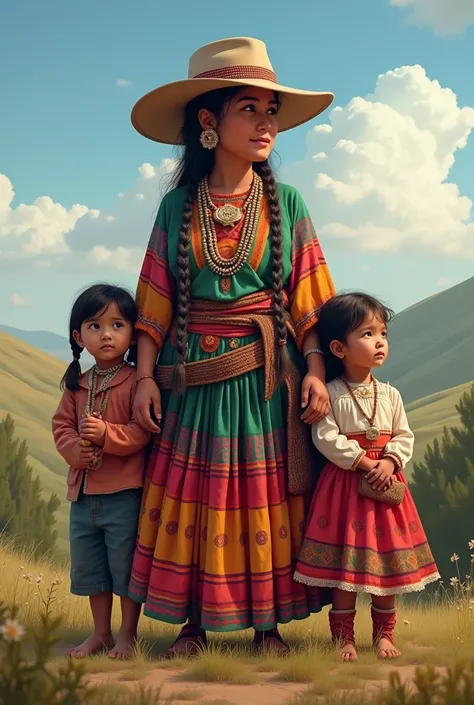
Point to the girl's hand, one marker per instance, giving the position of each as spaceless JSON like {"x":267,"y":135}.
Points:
{"x":314,"y":395}
{"x":85,"y":456}
{"x":92,"y":428}
{"x":381,"y":476}
{"x":147,"y":396}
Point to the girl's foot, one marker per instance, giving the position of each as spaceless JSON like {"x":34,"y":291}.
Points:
{"x":348,"y":652}
{"x":190,"y":642}
{"x":123,"y":649}
{"x":270,"y":640}
{"x":341,"y":623}
{"x":384,"y":621}
{"x":92,"y":646}
{"x":386,"y":650}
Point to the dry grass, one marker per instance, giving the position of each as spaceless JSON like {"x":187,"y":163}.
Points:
{"x":430,"y":634}
{"x":217,"y":666}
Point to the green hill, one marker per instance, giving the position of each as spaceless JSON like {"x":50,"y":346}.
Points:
{"x":29,"y":391}
{"x":432,"y":344}
{"x":427,"y":417}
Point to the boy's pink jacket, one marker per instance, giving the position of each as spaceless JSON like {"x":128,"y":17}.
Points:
{"x":124,"y":446}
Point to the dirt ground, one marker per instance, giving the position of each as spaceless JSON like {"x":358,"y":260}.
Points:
{"x":268,"y":691}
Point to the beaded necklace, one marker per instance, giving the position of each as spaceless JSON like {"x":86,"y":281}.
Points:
{"x":228,"y":214}
{"x":372,"y":432}
{"x":93,"y":380}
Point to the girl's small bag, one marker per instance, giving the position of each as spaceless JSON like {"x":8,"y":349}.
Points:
{"x":392,"y":495}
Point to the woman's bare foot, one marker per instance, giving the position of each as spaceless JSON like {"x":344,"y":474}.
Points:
{"x":348,"y":652}
{"x":91,"y":646}
{"x":123,"y":649}
{"x":386,"y":650}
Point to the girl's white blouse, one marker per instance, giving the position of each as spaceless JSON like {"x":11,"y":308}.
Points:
{"x":344,"y":419}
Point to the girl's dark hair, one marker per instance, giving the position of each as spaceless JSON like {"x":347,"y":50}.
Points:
{"x":339,"y":317}
{"x":195,"y":163}
{"x":91,"y":302}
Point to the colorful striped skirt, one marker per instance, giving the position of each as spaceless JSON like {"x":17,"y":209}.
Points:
{"x":361,"y":545}
{"x":219,"y":536}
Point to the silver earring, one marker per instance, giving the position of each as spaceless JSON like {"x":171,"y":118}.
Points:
{"x":209,"y":138}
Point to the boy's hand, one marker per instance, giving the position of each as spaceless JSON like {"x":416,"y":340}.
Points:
{"x":92,"y":428}
{"x":85,"y":456}
{"x":381,"y":476}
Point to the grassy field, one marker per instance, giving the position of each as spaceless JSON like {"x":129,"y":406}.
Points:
{"x":435,"y":632}
{"x":29,"y":391}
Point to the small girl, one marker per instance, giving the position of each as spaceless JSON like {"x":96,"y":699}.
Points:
{"x":96,"y":435}
{"x":354,"y":543}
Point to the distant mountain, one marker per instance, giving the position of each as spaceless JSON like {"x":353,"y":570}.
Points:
{"x":432,"y":344}
{"x":51,"y":343}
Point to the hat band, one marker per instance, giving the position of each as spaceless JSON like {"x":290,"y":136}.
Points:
{"x":240,"y":72}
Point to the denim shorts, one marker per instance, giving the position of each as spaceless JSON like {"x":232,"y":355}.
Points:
{"x":102,"y":535}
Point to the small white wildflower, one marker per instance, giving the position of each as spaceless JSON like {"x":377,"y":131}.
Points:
{"x":39,"y":579}
{"x":454,"y":581}
{"x":12,"y":630}
{"x":454,"y":558}
{"x":471,"y":544}
{"x":22,"y":567}
{"x":406,"y":622}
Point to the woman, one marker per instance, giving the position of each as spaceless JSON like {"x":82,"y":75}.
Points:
{"x":232,"y":281}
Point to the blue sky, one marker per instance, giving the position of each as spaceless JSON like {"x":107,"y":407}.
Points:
{"x":65,"y":130}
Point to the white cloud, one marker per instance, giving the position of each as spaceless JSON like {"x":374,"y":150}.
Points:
{"x":376,"y":178}
{"x":19,"y":300}
{"x":34,"y":230}
{"x":383,"y":184}
{"x":123,"y":83}
{"x":443,"y":16}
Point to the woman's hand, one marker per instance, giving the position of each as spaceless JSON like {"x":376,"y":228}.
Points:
{"x":314,"y":395}
{"x":147,"y":397}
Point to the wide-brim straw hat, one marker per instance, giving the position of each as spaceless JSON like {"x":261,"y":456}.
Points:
{"x":238,"y":61}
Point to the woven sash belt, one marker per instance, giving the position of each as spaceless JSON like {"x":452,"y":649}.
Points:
{"x":250,"y":357}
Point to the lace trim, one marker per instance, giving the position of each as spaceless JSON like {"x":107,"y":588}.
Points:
{"x":367,"y":589}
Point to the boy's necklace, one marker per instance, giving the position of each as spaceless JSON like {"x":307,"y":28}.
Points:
{"x":108,"y":375}
{"x":372,"y":432}
{"x":93,"y":379}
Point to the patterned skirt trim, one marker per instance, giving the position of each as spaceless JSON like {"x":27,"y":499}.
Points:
{"x":361,"y":545}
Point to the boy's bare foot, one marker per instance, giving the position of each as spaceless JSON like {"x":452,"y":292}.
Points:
{"x":91,"y":646}
{"x":349,"y":653}
{"x":123,"y":649}
{"x":386,"y":650}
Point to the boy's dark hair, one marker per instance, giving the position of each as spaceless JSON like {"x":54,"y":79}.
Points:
{"x":339,"y":317}
{"x":91,"y":302}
